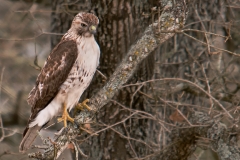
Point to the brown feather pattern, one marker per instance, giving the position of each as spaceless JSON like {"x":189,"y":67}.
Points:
{"x":29,"y":137}
{"x":87,"y":18}
{"x":52,"y":76}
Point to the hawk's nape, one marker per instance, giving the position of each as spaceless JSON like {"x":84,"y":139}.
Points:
{"x":65,"y":75}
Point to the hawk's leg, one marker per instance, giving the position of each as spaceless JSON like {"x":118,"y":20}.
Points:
{"x":83,"y":105}
{"x":65,"y":116}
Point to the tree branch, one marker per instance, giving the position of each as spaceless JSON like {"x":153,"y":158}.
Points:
{"x":185,"y":140}
{"x":172,"y":18}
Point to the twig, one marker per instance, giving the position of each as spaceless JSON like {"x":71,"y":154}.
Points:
{"x":1,"y":121}
{"x":76,"y":149}
{"x":99,"y":72}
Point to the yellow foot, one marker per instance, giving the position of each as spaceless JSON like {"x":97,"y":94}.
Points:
{"x":83,"y":105}
{"x":65,"y":116}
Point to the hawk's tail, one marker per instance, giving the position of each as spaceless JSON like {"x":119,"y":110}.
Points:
{"x":29,"y":137}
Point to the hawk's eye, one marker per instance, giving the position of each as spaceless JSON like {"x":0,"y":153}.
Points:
{"x":83,"y":25}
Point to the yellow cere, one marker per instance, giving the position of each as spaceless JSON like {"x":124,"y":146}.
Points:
{"x":93,"y":27}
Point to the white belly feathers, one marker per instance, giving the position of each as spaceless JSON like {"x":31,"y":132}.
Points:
{"x":78,"y":80}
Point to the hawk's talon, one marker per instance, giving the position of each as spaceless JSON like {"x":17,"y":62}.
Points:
{"x":65,"y":116}
{"x":83,"y":105}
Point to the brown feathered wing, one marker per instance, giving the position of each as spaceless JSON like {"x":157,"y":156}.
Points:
{"x":51,"y":77}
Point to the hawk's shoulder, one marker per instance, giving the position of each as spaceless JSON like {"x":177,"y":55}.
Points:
{"x":54,"y":72}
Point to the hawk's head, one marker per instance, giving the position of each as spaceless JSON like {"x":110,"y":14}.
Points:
{"x":85,"y":24}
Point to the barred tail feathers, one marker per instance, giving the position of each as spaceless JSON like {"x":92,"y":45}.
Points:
{"x":29,"y":137}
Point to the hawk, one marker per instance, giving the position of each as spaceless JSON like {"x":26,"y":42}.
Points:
{"x":65,"y":75}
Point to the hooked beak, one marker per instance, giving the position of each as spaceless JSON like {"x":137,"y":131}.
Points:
{"x":93,"y":29}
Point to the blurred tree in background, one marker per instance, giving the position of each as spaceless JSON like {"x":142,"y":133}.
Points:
{"x":184,"y":95}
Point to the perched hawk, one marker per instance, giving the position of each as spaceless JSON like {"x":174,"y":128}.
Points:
{"x":67,"y":72}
